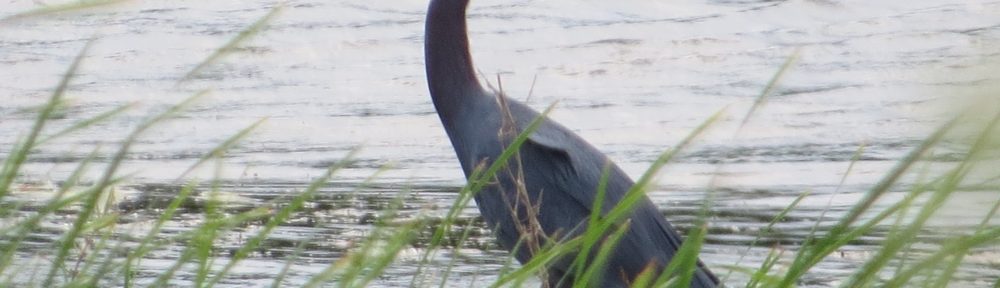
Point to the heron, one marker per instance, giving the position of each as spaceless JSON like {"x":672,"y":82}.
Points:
{"x":559,"y":172}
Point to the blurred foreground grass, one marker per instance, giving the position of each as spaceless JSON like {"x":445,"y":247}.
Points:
{"x":96,"y":251}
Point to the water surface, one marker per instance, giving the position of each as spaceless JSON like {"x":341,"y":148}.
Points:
{"x":632,"y":77}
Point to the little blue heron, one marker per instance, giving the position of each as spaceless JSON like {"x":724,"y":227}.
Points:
{"x":558,"y":171}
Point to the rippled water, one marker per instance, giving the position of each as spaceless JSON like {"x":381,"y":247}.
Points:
{"x":632,"y":77}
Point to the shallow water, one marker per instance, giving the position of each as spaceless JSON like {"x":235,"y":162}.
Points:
{"x":632,"y":77}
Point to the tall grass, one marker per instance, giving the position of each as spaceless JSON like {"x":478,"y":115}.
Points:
{"x":93,"y":252}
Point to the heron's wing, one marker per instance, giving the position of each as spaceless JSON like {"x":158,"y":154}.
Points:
{"x":588,"y":166}
{"x":562,"y":172}
{"x":582,"y":167}
{"x":575,"y":168}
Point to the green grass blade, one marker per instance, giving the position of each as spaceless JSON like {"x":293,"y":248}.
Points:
{"x":297,"y":203}
{"x":540,"y":261}
{"x":143,"y":247}
{"x":196,"y":237}
{"x":767,"y":229}
{"x":456,"y":251}
{"x":960,"y":245}
{"x":90,"y":203}
{"x":98,"y":254}
{"x":685,"y":262}
{"x":883,"y":185}
{"x":895,"y":242}
{"x":226,"y":145}
{"x":376,"y":253}
{"x":784,"y":212}
{"x":637,"y":191}
{"x":595,"y":215}
{"x":20,"y":154}
{"x":60,"y":8}
{"x":396,"y":242}
{"x":301,"y":246}
{"x":595,"y":269}
{"x":759,"y":277}
{"x":243,"y":36}
{"x":826,"y":208}
{"x":87,"y":123}
{"x":769,"y":88}
{"x":23,"y":229}
{"x":810,"y":255}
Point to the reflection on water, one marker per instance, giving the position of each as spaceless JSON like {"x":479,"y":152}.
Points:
{"x":632,"y":77}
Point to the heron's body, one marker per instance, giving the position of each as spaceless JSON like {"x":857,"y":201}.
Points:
{"x":561,"y":171}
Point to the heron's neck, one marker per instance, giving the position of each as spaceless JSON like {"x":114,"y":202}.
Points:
{"x":450,"y":75}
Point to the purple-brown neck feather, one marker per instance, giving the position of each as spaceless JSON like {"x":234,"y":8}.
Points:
{"x":450,"y":74}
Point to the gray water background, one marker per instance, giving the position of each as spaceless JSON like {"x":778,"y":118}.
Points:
{"x":632,"y":77}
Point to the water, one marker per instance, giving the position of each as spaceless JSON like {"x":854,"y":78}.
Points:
{"x":632,"y":77}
